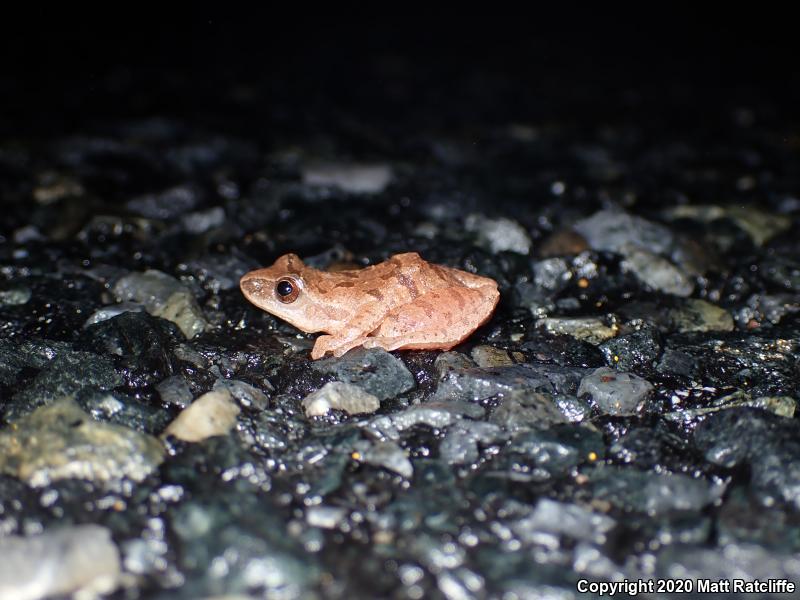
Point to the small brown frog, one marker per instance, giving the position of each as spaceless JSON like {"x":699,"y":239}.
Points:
{"x":401,"y":303}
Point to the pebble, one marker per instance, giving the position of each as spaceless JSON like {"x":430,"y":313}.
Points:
{"x":326,"y":517}
{"x":175,"y":391}
{"x":652,"y":492}
{"x":475,"y":384}
{"x":352,"y":178}
{"x":761,"y":309}
{"x":562,"y":519}
{"x":168,"y":204}
{"x":109,"y":312}
{"x":634,"y":351}
{"x":757,"y":223}
{"x":245,"y":394}
{"x":614,"y":392}
{"x":436,"y":415}
{"x":612,"y":230}
{"x":542,"y":454}
{"x":656,"y":272}
{"x":385,"y":454}
{"x":461,"y":443}
{"x":212,"y":414}
{"x":203,"y":220}
{"x":374,"y":370}
{"x":499,"y":235}
{"x":521,"y":411}
{"x":695,"y":315}
{"x":340,"y":396}
{"x":563,"y":243}
{"x":783,"y":406}
{"x":767,"y":443}
{"x":587,"y":329}
{"x":489,"y":356}
{"x":163,"y":296}
{"x":68,"y":373}
{"x":61,"y":441}
{"x":78,"y":560}
{"x":15,"y":296}
{"x":552,"y":274}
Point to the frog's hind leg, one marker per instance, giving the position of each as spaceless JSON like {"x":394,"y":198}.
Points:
{"x":437,"y":320}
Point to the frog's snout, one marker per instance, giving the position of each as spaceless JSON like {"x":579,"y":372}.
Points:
{"x":253,"y":285}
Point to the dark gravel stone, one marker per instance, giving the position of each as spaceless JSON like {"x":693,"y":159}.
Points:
{"x":144,"y":344}
{"x":375,"y":371}
{"x":540,"y":455}
{"x":637,"y":351}
{"x":615,"y":393}
{"x":474,"y":383}
{"x":768,"y":444}
{"x":65,"y":376}
{"x":651,"y":492}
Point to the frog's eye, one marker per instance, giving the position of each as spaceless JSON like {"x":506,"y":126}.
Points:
{"x":287,"y":290}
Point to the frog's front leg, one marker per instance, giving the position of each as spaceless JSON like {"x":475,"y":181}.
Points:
{"x":335,"y":344}
{"x":352,"y":334}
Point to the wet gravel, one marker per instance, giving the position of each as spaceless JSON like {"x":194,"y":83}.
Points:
{"x":630,"y":411}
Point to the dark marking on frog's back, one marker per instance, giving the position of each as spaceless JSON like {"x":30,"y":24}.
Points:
{"x":408,"y":283}
{"x":459,"y":298}
{"x":375,"y":294}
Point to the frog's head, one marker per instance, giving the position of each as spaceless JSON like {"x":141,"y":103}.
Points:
{"x":281,"y":291}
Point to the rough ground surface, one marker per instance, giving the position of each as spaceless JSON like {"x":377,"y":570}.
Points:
{"x":629,"y":411}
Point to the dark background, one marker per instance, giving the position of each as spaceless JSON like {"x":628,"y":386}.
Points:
{"x":265,"y":73}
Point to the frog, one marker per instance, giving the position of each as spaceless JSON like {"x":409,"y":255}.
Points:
{"x":402,"y":303}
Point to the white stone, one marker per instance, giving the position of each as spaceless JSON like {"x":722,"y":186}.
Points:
{"x":210,"y":415}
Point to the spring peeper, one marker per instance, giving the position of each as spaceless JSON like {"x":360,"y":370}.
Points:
{"x":402,"y":303}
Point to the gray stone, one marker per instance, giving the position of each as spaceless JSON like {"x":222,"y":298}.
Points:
{"x":167,"y":204}
{"x":245,"y":394}
{"x":656,"y":272}
{"x":743,"y":561}
{"x":201,"y":221}
{"x":768,"y":444}
{"x":611,"y":230}
{"x":542,"y":454}
{"x":375,"y":371}
{"x":552,"y":273}
{"x":521,"y":411}
{"x":68,"y":373}
{"x":384,"y":454}
{"x":757,"y":223}
{"x":175,"y":391}
{"x":340,"y":396}
{"x":559,"y":518}
{"x":15,"y":296}
{"x":353,"y":178}
{"x":163,"y":296}
{"x":81,"y":560}
{"x":475,"y":384}
{"x":615,"y":393}
{"x":499,"y":235}
{"x":109,"y":312}
{"x":695,"y":315}
{"x":460,"y":444}
{"x":62,"y":442}
{"x":587,"y":329}
{"x":433,"y":414}
{"x":652,"y":492}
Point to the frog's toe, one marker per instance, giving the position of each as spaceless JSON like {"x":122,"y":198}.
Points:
{"x":347,"y":346}
{"x":322,"y":346}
